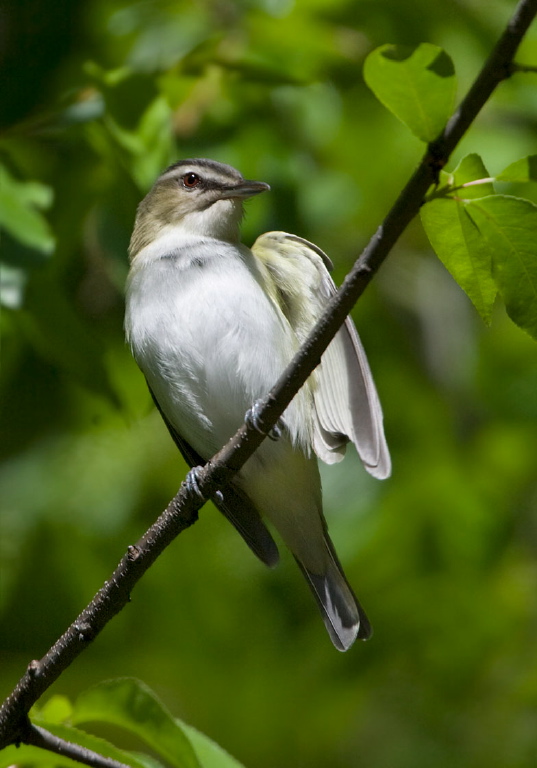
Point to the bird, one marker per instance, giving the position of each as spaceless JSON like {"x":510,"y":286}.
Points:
{"x":212,"y":324}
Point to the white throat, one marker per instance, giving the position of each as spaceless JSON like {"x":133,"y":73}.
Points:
{"x":220,"y":221}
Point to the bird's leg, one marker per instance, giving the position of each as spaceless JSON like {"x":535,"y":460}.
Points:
{"x":252,"y":420}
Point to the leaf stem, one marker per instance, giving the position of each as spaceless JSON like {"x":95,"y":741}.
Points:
{"x":527,"y":68}
{"x":475,"y":183}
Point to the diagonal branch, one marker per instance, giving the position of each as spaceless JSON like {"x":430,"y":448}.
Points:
{"x":182,"y":510}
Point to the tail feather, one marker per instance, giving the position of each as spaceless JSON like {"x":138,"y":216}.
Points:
{"x":343,"y":616}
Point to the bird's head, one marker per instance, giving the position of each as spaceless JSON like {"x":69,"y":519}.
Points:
{"x":200,"y":198}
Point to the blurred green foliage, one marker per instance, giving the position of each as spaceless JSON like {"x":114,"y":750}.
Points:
{"x":443,"y":555}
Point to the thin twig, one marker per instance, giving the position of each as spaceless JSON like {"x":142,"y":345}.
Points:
{"x":182,"y":510}
{"x":39,"y":737}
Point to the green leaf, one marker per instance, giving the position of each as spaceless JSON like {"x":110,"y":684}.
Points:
{"x":416,"y":84}
{"x":57,"y":709}
{"x":129,"y":704}
{"x":24,"y":756}
{"x":457,"y":243}
{"x":149,"y":147}
{"x":155,"y":132}
{"x":508,"y":225}
{"x":210,"y":754}
{"x":469,"y":179}
{"x":521,"y":170}
{"x":455,"y":238}
{"x":19,"y":214}
{"x":471,"y":168}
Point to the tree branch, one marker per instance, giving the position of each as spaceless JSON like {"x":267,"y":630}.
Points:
{"x":39,"y":737}
{"x":182,"y":510}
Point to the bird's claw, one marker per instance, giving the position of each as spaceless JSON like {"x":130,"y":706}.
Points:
{"x":192,"y":482}
{"x":252,"y":419}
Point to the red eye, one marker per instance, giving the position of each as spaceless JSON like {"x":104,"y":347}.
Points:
{"x":191,"y":180}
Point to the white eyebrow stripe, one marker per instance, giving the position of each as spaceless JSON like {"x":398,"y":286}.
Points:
{"x":175,"y":172}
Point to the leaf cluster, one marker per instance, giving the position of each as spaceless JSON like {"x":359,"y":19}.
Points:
{"x":486,"y":240}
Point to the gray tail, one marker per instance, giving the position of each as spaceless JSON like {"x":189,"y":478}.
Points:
{"x":343,"y":616}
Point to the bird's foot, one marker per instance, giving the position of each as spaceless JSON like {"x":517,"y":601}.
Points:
{"x":192,"y":481}
{"x":252,"y":420}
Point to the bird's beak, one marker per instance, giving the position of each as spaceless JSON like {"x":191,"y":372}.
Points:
{"x":244,"y":189}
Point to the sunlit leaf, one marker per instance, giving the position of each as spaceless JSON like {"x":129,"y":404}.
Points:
{"x":509,"y":227}
{"x":416,"y":84}
{"x":56,"y":710}
{"x":129,"y":704}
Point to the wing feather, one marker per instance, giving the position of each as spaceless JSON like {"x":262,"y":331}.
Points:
{"x":346,"y":403}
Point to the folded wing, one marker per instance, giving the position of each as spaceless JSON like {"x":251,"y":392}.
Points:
{"x":346,"y":404}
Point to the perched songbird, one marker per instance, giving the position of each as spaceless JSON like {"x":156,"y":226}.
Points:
{"x":212,"y":324}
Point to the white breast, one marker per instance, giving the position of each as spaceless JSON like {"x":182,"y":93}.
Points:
{"x":208,"y":339}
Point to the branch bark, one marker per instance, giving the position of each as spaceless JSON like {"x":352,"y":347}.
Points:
{"x":182,"y":510}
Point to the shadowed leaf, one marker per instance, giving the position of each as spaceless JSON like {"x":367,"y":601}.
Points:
{"x":521,"y":170}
